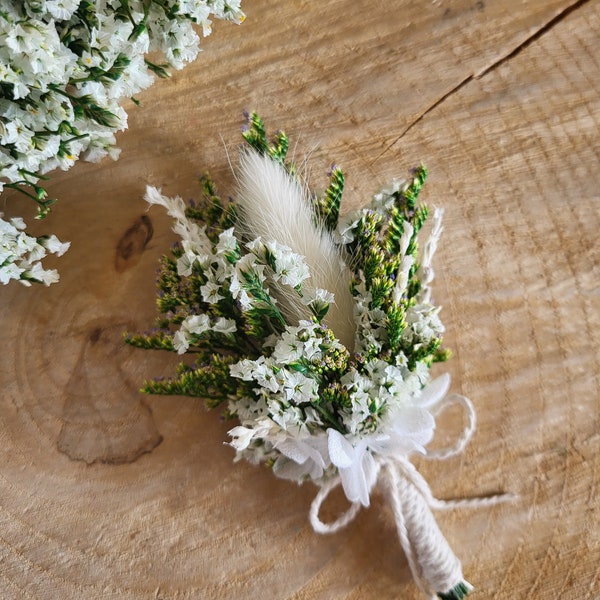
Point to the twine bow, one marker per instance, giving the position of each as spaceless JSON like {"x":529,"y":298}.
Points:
{"x":433,"y":564}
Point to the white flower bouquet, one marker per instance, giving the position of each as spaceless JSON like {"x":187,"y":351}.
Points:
{"x":65,"y":67}
{"x":317,"y":333}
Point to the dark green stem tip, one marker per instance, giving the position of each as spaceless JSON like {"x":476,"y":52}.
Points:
{"x":458,"y":592}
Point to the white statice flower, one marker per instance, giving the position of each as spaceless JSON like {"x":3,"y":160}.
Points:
{"x":360,"y":388}
{"x":347,"y":224}
{"x":211,"y":292}
{"x":371,"y":330}
{"x":196,"y":324}
{"x":290,"y":268}
{"x":237,"y":291}
{"x":54,"y":245}
{"x":311,"y":349}
{"x":377,"y":385}
{"x":227,"y":244}
{"x":21,"y":254}
{"x":24,"y":38}
{"x":355,"y":417}
{"x":384,"y":199}
{"x":376,"y":371}
{"x":195,"y":8}
{"x":10,"y":270}
{"x":403,"y":385}
{"x":185,"y":264}
{"x":244,"y":435}
{"x":180,"y":42}
{"x":298,"y":387}
{"x":66,"y":73}
{"x":261,"y":371}
{"x":241,"y":437}
{"x":288,"y":417}
{"x":242,"y":369}
{"x":318,"y":296}
{"x":299,"y":342}
{"x":266,"y":377}
{"x":134,"y":79}
{"x":62,"y":9}
{"x":249,"y":410}
{"x":220,"y":269}
{"x":190,"y":326}
{"x":223,"y":325}
{"x":318,"y":300}
{"x":181,"y":341}
{"x":424,"y":324}
{"x":288,"y":347}
{"x":195,"y":243}
{"x":248,"y":265}
{"x":38,"y":273}
{"x":256,"y":247}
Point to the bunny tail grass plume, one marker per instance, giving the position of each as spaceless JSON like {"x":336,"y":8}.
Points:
{"x":273,"y":205}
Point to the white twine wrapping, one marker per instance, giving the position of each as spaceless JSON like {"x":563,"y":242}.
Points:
{"x":433,"y":564}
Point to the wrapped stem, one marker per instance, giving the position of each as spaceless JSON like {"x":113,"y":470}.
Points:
{"x":434,"y":566}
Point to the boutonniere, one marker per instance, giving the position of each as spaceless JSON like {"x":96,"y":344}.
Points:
{"x":315,"y":334}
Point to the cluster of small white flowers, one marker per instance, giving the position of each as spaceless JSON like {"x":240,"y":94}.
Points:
{"x":284,"y":384}
{"x":21,"y":254}
{"x":424,"y":324}
{"x":195,"y":326}
{"x":278,"y":424}
{"x":51,"y":56}
{"x":284,"y":395}
{"x":288,"y":267}
{"x":228,"y":271}
{"x":65,"y":66}
{"x":378,"y":384}
{"x":370,"y":322}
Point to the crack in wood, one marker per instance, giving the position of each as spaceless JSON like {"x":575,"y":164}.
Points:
{"x":536,"y":35}
{"x":422,"y":115}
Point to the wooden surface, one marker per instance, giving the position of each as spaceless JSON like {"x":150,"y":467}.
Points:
{"x":108,"y":494}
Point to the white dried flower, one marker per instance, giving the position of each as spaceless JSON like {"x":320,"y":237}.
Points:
{"x":65,"y":73}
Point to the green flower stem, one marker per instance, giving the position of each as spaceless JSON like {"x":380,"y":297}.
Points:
{"x":329,"y":419}
{"x":458,"y":592}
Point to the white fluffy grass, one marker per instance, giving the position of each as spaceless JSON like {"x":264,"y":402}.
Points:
{"x":274,"y":206}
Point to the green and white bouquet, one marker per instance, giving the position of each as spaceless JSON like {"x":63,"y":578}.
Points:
{"x":65,"y":68}
{"x":316,"y":333}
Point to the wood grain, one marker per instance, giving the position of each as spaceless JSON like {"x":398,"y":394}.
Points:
{"x":105,"y":493}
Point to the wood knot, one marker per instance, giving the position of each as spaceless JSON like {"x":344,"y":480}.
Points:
{"x":95,"y":334}
{"x":132,"y":243}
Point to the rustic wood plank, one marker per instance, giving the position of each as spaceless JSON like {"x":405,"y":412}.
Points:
{"x":108,"y":494}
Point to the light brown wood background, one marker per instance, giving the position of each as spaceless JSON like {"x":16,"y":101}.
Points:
{"x":108,"y":494}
